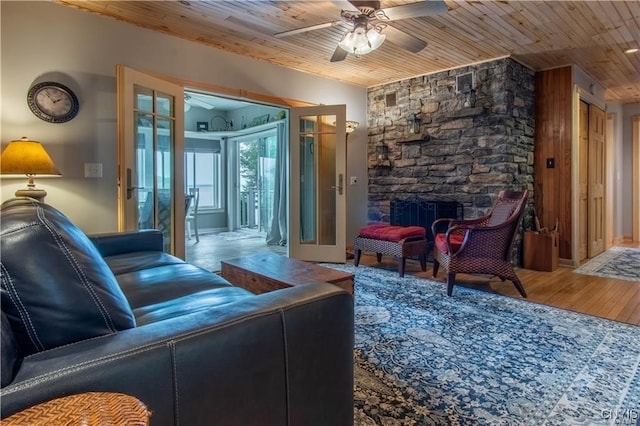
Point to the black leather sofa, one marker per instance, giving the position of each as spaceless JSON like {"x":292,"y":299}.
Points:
{"x":114,"y":313}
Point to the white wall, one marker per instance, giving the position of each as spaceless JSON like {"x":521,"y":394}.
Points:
{"x":44,"y":41}
{"x":626,"y":165}
{"x":617,"y":197}
{"x":590,"y":90}
{"x":623,"y":167}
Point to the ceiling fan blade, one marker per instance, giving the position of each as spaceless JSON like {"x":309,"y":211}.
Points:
{"x":413,"y":10}
{"x":246,"y":26}
{"x":198,"y":100}
{"x":201,"y":104}
{"x":404,"y":40}
{"x":339,"y":54}
{"x":309,"y":28}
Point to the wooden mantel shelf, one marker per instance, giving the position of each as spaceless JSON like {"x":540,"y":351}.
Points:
{"x":414,"y":139}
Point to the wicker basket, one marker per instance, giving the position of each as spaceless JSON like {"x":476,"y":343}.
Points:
{"x":90,"y":408}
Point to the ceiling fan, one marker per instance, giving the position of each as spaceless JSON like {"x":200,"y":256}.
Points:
{"x":370,"y":26}
{"x":197,"y":100}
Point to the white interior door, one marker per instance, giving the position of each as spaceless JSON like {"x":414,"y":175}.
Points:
{"x":317,"y":208}
{"x":150,"y":156}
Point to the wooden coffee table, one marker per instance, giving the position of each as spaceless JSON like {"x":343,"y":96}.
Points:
{"x":263,"y":272}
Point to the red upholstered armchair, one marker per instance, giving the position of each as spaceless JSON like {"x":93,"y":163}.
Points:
{"x":482,"y":245}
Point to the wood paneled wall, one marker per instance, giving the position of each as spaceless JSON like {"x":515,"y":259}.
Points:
{"x":553,"y":140}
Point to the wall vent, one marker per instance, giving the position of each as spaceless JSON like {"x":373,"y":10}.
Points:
{"x":390,"y":99}
{"x":464,"y":83}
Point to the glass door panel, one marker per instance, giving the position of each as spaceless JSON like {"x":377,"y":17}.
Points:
{"x":318,"y":163}
{"x":307,"y":180}
{"x":318,"y":180}
{"x":154,"y":162}
{"x":266,"y":180}
{"x":256,"y":177}
{"x":150,"y":191}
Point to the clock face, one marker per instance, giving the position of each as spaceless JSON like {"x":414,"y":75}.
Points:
{"x":52,"y":102}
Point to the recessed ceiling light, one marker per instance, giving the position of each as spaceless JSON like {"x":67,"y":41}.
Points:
{"x":632,"y":50}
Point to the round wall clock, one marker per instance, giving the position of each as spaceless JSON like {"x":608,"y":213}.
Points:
{"x":52,"y":102}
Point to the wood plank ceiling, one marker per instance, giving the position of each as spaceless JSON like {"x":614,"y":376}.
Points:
{"x":539,"y":34}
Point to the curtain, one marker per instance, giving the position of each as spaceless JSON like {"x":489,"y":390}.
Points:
{"x":277,"y":233}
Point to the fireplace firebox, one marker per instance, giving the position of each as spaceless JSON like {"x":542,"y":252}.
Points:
{"x":416,"y":211}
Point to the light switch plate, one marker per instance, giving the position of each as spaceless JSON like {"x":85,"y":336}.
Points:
{"x":93,"y":170}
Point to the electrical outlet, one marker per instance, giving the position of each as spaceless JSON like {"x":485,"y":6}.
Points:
{"x":93,"y":170}
{"x":353,"y":180}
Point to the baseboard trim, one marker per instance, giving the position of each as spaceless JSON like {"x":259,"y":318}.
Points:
{"x":623,"y":239}
{"x":567,"y":263}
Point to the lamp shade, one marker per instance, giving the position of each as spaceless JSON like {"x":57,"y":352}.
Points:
{"x":351,"y":126}
{"x":27,"y":157}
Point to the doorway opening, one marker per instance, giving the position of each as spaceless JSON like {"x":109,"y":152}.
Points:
{"x":235,"y":184}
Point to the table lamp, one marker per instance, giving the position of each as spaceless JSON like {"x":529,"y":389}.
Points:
{"x":27,"y":157}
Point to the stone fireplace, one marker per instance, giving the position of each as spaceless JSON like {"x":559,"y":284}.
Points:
{"x":458,"y":135}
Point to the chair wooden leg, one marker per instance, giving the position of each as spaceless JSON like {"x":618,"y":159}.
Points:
{"x":379,"y":257}
{"x":436,"y":265}
{"x":356,"y":257}
{"x":451,"y":279}
{"x":423,"y":262}
{"x":520,"y":288}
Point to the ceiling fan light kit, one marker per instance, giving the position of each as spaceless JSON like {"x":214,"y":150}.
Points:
{"x":363,"y":39}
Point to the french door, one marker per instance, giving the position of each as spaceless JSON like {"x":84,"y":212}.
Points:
{"x":317,"y":208}
{"x":150,"y":156}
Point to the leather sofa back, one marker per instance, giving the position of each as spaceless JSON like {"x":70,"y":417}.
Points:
{"x":55,"y":286}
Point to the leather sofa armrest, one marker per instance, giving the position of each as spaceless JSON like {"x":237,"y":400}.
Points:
{"x":284,"y":357}
{"x":110,"y":244}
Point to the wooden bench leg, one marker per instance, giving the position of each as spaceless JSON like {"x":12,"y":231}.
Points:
{"x":379,"y":257}
{"x":356,"y":257}
{"x":401,"y":265}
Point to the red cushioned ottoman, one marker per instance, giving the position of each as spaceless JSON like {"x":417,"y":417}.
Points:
{"x":398,"y":241}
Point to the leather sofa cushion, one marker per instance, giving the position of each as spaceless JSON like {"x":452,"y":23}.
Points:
{"x":189,"y":304}
{"x":145,"y":284}
{"x":56,"y":288}
{"x":392,"y":232}
{"x":141,"y":260}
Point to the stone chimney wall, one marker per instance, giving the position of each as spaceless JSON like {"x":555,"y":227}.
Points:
{"x":467,"y":146}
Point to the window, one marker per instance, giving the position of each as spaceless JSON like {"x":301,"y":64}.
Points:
{"x":202,"y":169}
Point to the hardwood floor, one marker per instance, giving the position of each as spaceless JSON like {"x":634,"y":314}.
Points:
{"x":609,"y":298}
{"x":214,"y":247}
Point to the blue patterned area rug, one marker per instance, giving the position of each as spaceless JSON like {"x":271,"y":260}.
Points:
{"x":476,"y":358}
{"x":618,"y":262}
